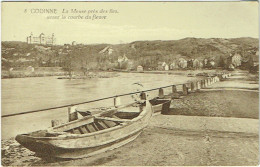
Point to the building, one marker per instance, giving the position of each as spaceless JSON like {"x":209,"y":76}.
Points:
{"x":41,"y":39}
{"x":201,"y":65}
{"x":173,"y":66}
{"x":166,"y":67}
{"x":205,"y":63}
{"x":182,"y":63}
{"x":107,"y":50}
{"x":30,"y":69}
{"x":162,"y":66}
{"x":130,"y":65}
{"x":196,"y":64}
{"x":231,"y":67}
{"x":74,"y":43}
{"x":256,"y":59}
{"x":122,"y":62}
{"x":139,"y":68}
{"x":236,"y":60}
{"x":190,"y":63}
{"x":212,"y":63}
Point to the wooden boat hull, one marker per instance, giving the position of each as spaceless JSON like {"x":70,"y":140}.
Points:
{"x":48,"y":150}
{"x":85,"y":145}
{"x":161,"y":105}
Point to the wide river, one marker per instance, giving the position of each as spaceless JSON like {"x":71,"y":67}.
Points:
{"x":26,"y":94}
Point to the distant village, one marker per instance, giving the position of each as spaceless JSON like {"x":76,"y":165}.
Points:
{"x":232,"y":62}
{"x":41,"y":51}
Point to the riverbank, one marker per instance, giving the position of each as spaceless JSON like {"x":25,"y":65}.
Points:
{"x":210,"y":141}
{"x":92,"y":75}
{"x":199,"y":130}
{"x":61,"y":74}
{"x":57,"y":71}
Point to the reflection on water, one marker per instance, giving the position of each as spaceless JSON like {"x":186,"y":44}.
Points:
{"x":25,"y":94}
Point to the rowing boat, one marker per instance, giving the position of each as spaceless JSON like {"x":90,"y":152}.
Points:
{"x":89,"y":135}
{"x":161,"y":105}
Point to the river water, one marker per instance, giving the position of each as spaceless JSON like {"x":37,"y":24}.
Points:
{"x":26,"y":94}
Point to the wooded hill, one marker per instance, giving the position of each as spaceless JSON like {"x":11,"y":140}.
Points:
{"x":145,"y":53}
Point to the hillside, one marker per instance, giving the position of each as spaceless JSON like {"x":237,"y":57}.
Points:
{"x":145,"y":53}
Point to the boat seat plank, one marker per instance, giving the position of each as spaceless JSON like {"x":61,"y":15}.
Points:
{"x":99,"y":126}
{"x":76,"y":131}
{"x":113,"y":119}
{"x":109,"y":123}
{"x":91,"y":128}
{"x":74,"y":124}
{"x":86,"y":127}
{"x":95,"y":126}
{"x":83,"y":130}
{"x":103,"y":124}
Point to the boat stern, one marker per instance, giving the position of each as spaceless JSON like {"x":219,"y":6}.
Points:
{"x":40,"y":145}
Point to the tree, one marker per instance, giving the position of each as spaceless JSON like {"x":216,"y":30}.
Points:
{"x":67,"y":65}
{"x":221,"y":62}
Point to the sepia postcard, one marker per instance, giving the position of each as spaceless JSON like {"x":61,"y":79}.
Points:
{"x":130,"y":83}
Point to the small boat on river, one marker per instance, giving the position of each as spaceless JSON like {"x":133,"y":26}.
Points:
{"x":161,"y":105}
{"x":91,"y":134}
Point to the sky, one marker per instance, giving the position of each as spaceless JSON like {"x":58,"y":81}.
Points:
{"x":134,"y":21}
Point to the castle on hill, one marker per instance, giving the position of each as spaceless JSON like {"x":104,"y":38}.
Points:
{"x":41,"y":39}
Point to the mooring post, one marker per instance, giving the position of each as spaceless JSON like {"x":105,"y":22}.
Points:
{"x":201,"y":84}
{"x":198,"y":85}
{"x":220,"y":77}
{"x":72,"y":113}
{"x":55,"y":122}
{"x":174,"y":89}
{"x":195,"y":86}
{"x":209,"y":81}
{"x":117,"y":101}
{"x":142,"y":96}
{"x":161,"y":94}
{"x":206,"y":83}
{"x":192,"y":87}
{"x":185,"y":89}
